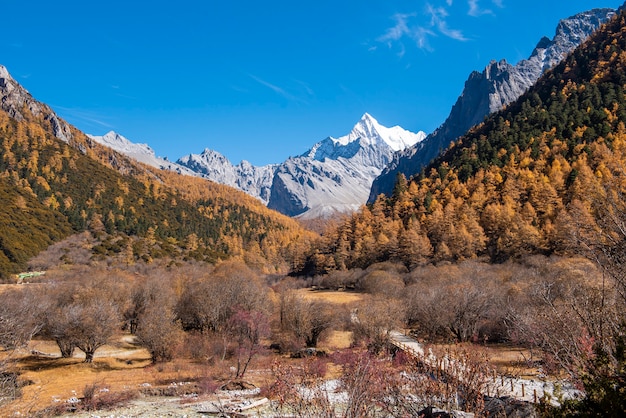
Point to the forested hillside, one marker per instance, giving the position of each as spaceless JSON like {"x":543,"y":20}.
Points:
{"x":517,"y":184}
{"x":51,"y":188}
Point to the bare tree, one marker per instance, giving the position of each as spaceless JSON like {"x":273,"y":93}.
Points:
{"x":159,"y":332}
{"x":247,"y":329}
{"x":83,"y":315}
{"x":381,"y":282}
{"x":301,"y":391}
{"x":366,"y":383}
{"x":20,"y":319}
{"x":306,"y":320}
{"x":94,"y":322}
{"x":455,"y":302}
{"x":451,"y":379}
{"x":374,"y":319}
{"x":363,"y":390}
{"x":207,"y":302}
{"x":153,"y":319}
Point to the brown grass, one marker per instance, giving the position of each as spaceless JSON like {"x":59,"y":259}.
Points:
{"x":124,"y":366}
{"x":4,"y":287}
{"x":119,"y":367}
{"x":332,"y":296}
{"x":53,"y":378}
{"x":512,"y":361}
{"x":336,"y":340}
{"x":508,"y":360}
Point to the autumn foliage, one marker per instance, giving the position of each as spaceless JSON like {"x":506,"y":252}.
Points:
{"x":50,"y":189}
{"x":512,"y":185}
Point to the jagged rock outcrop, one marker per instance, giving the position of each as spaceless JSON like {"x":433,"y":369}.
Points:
{"x":499,"y":84}
{"x":15,"y":98}
{"x":210,"y":164}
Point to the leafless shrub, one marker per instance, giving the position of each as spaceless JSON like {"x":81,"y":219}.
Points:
{"x":208,"y":301}
{"x":83,"y":315}
{"x":10,"y":386}
{"x":450,"y":378}
{"x":382,"y":282}
{"x":373,"y":321}
{"x":301,"y":391}
{"x":564,"y":312}
{"x":339,"y":279}
{"x":95,"y":398}
{"x":74,"y":250}
{"x":152,"y":318}
{"x":304,"y":320}
{"x":464,"y":302}
{"x":21,"y":312}
{"x":198,"y":347}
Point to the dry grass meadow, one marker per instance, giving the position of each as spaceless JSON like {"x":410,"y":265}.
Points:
{"x":125,"y":366}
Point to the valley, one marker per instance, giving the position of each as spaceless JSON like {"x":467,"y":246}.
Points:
{"x":125,"y":381}
{"x":487,"y":281}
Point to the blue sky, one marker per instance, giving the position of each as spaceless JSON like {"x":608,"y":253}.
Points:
{"x":258,"y":80}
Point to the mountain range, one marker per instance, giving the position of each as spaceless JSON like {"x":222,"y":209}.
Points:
{"x":56,"y":181}
{"x":138,"y":152}
{"x":498,"y":85}
{"x":338,"y":175}
{"x":333,"y":176}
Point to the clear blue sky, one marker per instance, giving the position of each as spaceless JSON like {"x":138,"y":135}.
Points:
{"x":262,"y":80}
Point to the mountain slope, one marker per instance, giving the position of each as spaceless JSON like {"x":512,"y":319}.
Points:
{"x":16,"y":101}
{"x":528,"y":180}
{"x":499,"y":84}
{"x":334,"y":176}
{"x":51,"y":187}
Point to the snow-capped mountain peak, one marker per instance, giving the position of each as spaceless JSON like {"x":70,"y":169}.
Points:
{"x":366,"y":127}
{"x":335,"y":175}
{"x":367,"y":133}
{"x":370,"y":132}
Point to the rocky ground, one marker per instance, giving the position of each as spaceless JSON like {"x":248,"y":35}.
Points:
{"x":234,"y":403}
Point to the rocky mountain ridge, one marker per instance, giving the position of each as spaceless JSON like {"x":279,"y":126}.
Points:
{"x":15,"y":98}
{"x":333,"y":176}
{"x":210,"y":164}
{"x":499,"y":84}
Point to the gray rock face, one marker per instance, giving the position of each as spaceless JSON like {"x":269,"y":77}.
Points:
{"x":15,"y":98}
{"x":256,"y":181}
{"x":498,"y":85}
